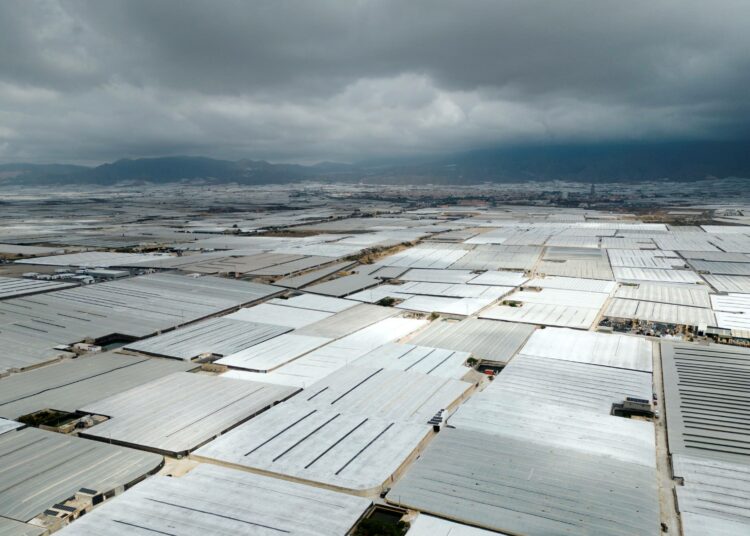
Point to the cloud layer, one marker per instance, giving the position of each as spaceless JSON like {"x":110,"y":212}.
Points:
{"x":89,"y":81}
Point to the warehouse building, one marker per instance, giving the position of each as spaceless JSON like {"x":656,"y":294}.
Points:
{"x":386,"y":393}
{"x":117,"y":310}
{"x":273,"y":353}
{"x":503,"y":484}
{"x":41,"y":469}
{"x":332,"y":448}
{"x":319,"y":363}
{"x":423,"y":359}
{"x":213,"y":500}
{"x":488,"y":340}
{"x":12,"y":287}
{"x":71,"y":384}
{"x":180,"y":412}
{"x":540,"y":450}
{"x":208,"y":339}
{"x":705,"y":387}
{"x":693,"y":296}
{"x":652,"y":315}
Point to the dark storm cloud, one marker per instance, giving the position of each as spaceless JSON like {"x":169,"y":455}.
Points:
{"x":312,"y":80}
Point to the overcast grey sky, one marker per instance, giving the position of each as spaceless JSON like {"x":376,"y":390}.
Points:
{"x":91,"y":81}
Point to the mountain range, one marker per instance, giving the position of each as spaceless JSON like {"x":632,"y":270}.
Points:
{"x":685,"y":161}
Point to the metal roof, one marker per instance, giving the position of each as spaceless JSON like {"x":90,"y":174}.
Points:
{"x":640,"y":258}
{"x":656,"y":275}
{"x":499,"y":278}
{"x":348,"y":321}
{"x":492,"y":257}
{"x":551,"y":307}
{"x":431,"y":256}
{"x":721,"y":256}
{"x":319,"y":363}
{"x":332,"y":447}
{"x":573,"y":283}
{"x":343,"y":286}
{"x":559,"y":426}
{"x":330,"y":250}
{"x":726,"y":229}
{"x":300,"y":281}
{"x":425,"y":525}
{"x":607,"y":349}
{"x":136,"y":307}
{"x":660,"y":312}
{"x":385,"y":272}
{"x":42,"y":468}
{"x":294,"y":266}
{"x":577,"y":386}
{"x":694,"y":296}
{"x":739,"y":323}
{"x":386,"y":330}
{"x":729,"y":268}
{"x":454,"y":290}
{"x":732,"y":303}
{"x":729,"y":283}
{"x":391,"y":394}
{"x":732,"y":242}
{"x":485,"y":339}
{"x":233,"y":261}
{"x":732,"y":311}
{"x":714,"y":496}
{"x":218,"y":336}
{"x":274,"y":352}
{"x":530,"y":237}
{"x":10,"y":527}
{"x":438,"y":276}
{"x":544,"y":314}
{"x":685,"y":242}
{"x":71,"y":384}
{"x":564,"y":404}
{"x":278,"y":315}
{"x":556,"y":296}
{"x":619,"y":242}
{"x":588,"y":268}
{"x":94,"y":259}
{"x":177,"y":413}
{"x":561,"y":240}
{"x":11,"y":287}
{"x":408,"y":357}
{"x":520,"y":487}
{"x":217,"y":500}
{"x":316,"y":303}
{"x":493,"y":236}
{"x":375,"y":294}
{"x":706,"y":387}
{"x":452,"y":306}
{"x":455,"y":235}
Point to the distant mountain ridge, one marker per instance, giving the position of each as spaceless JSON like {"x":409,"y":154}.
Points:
{"x":585,"y":163}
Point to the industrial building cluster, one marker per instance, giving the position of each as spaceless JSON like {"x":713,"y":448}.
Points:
{"x":309,"y":363}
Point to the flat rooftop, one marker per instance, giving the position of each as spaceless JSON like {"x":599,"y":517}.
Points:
{"x":218,"y":500}
{"x":42,"y":468}
{"x":333,"y":448}
{"x":73,"y":383}
{"x":178,"y":413}
{"x":504,"y":484}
